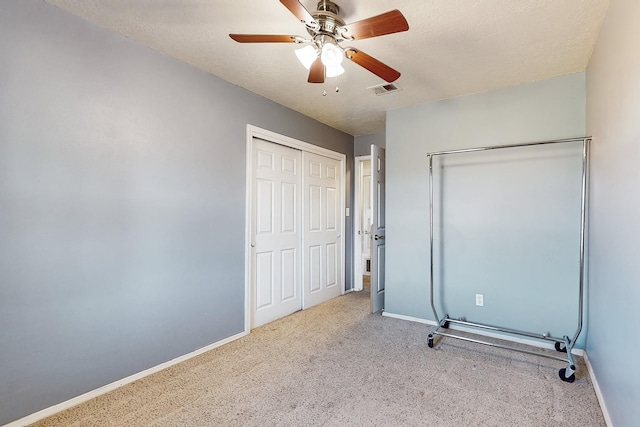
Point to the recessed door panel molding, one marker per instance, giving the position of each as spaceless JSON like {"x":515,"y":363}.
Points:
{"x":331,"y":172}
{"x":315,"y":208}
{"x":289,"y":165}
{"x":264,"y":280}
{"x":315,"y":169}
{"x":289,"y":262}
{"x":380,"y":220}
{"x":264,"y":206}
{"x":331,"y":215}
{"x":264,"y":160}
{"x":315,"y":269}
{"x":380,"y":267}
{"x":289,"y":207}
{"x":331,"y":272}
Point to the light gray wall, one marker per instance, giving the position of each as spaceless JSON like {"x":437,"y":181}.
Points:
{"x":122,"y":204}
{"x":511,"y":218}
{"x":362,"y":144}
{"x":613,"y":112}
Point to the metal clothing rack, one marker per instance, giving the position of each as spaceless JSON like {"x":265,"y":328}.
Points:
{"x":564,"y":344}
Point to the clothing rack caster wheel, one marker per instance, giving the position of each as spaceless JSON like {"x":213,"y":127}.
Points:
{"x":563,"y":374}
{"x":430,"y":341}
{"x":561,"y":347}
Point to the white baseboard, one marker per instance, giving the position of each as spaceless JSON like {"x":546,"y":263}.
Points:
{"x":47,"y":412}
{"x":511,"y":338}
{"x":409,"y":318}
{"x":596,"y":387}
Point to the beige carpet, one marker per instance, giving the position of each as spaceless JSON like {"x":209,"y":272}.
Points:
{"x":337,"y":365}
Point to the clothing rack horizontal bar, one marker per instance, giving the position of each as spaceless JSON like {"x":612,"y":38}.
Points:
{"x":507,"y":330}
{"x":549,"y":356}
{"x":495,"y":147}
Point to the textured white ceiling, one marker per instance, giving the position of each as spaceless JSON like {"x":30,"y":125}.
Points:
{"x":452,"y":48}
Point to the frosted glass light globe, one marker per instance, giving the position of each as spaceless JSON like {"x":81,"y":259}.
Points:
{"x":307,"y":55}
{"x":334,"y":70}
{"x":331,"y":55}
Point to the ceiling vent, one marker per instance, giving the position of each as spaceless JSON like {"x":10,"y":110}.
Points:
{"x":384,"y":89}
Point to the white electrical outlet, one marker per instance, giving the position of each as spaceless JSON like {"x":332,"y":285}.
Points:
{"x":479,"y":300}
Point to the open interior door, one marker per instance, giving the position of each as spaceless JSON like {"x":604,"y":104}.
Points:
{"x":378,"y":228}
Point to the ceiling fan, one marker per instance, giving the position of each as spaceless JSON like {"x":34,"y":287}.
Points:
{"x":323,"y":55}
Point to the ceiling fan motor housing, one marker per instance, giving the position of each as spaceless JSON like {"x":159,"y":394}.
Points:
{"x":328,"y":6}
{"x":327,"y":18}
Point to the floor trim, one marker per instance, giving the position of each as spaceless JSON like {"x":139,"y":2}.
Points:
{"x":52,"y":410}
{"x":596,"y":387}
{"x":531,"y":342}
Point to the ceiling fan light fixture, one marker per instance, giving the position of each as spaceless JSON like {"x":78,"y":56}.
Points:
{"x":334,"y":70}
{"x":307,"y":55}
{"x":331,"y":55}
{"x":327,"y":30}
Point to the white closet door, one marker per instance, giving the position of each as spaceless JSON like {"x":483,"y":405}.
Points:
{"x":322,"y":229}
{"x":276,"y":230}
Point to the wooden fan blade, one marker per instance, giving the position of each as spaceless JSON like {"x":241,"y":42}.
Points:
{"x":372,"y":64}
{"x":262,"y":38}
{"x":316,"y":72}
{"x":300,"y":12}
{"x":379,"y":25}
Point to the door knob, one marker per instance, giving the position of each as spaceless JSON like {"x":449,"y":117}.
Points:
{"x":376,"y":237}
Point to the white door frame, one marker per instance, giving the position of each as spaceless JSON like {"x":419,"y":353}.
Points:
{"x":357,"y":212}
{"x":256,"y":132}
